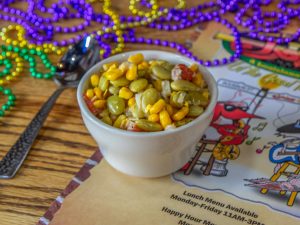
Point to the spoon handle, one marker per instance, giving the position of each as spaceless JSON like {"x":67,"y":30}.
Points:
{"x":14,"y":158}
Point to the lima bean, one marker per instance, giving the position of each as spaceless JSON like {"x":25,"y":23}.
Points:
{"x":113,"y":90}
{"x":149,"y":96}
{"x":138,"y":85}
{"x":116,"y":105}
{"x":196,"y":98}
{"x":161,"y":73}
{"x":184,"y":85}
{"x":147,"y":125}
{"x":103,"y":83}
{"x":182,"y":122}
{"x":195,"y":111}
{"x":177,"y":99}
{"x":121,"y":82}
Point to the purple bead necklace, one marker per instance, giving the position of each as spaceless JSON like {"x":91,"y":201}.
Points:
{"x":42,"y":29}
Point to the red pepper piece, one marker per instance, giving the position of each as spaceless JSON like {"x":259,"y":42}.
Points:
{"x":90,"y":105}
{"x":186,"y":73}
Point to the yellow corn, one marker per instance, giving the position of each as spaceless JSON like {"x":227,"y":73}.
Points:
{"x":89,"y":93}
{"x":157,"y":85}
{"x":206,"y":94}
{"x":120,"y":121}
{"x":170,"y":109}
{"x":131,"y":74}
{"x":153,"y":117}
{"x":99,"y":104}
{"x":164,"y":118}
{"x":148,"y":107}
{"x":143,"y":65}
{"x":180,"y":114}
{"x":136,"y":59}
{"x":94,"y":80}
{"x":113,"y":73}
{"x":131,"y":101}
{"x":107,"y":120}
{"x":198,"y":80}
{"x":106,"y":66}
{"x":125,"y":93}
{"x":194,"y":67}
{"x":158,"y":106}
{"x":98,"y":92}
{"x":124,"y":66}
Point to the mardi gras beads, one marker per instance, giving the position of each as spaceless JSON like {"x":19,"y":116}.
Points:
{"x":11,"y":98}
{"x":20,"y":40}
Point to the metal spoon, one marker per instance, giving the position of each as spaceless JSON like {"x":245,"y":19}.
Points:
{"x":71,"y":68}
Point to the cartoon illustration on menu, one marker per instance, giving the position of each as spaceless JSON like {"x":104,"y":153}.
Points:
{"x":252,"y":149}
{"x":231,"y":121}
{"x":286,"y":157}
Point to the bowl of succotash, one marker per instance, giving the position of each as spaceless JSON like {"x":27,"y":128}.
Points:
{"x":147,"y":110}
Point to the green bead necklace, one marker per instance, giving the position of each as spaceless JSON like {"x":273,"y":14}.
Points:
{"x":10,"y":54}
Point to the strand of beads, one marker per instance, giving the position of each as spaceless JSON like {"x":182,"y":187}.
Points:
{"x":11,"y":98}
{"x":21,"y":42}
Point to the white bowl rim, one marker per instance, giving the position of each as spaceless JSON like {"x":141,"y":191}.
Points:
{"x":84,"y":109}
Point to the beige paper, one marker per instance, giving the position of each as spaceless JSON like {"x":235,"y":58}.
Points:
{"x":109,"y":197}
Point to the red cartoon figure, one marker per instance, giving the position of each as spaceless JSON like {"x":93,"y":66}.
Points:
{"x":230,"y":130}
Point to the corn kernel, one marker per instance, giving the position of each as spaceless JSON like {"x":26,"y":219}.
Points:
{"x":125,"y":93}
{"x":143,"y":65}
{"x":194,"y":67}
{"x":106,"y":66}
{"x":131,"y":101}
{"x":131,"y":74}
{"x":157,"y":85}
{"x":164,"y":118}
{"x":98,"y":92}
{"x":107,"y":120}
{"x":113,"y":73}
{"x":124,"y":66}
{"x":181,"y":113}
{"x":99,"y":104}
{"x":89,"y":93}
{"x":148,"y":107}
{"x":136,"y":59}
{"x":198,"y":80}
{"x":170,"y":109}
{"x":206,"y":94}
{"x":94,"y":80}
{"x":153,"y":117}
{"x":158,"y":106}
{"x":120,"y":121}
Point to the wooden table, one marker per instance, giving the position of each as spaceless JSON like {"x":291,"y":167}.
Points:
{"x":63,"y":144}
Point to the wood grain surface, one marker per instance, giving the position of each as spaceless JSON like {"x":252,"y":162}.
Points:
{"x":63,"y":144}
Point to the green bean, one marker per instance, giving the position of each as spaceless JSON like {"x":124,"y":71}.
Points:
{"x":116,"y":105}
{"x":148,"y":125}
{"x":138,"y":85}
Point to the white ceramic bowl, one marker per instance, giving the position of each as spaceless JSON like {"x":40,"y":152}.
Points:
{"x":147,"y":154}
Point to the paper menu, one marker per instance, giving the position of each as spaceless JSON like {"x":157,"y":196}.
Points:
{"x":109,"y":197}
{"x":244,"y":171}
